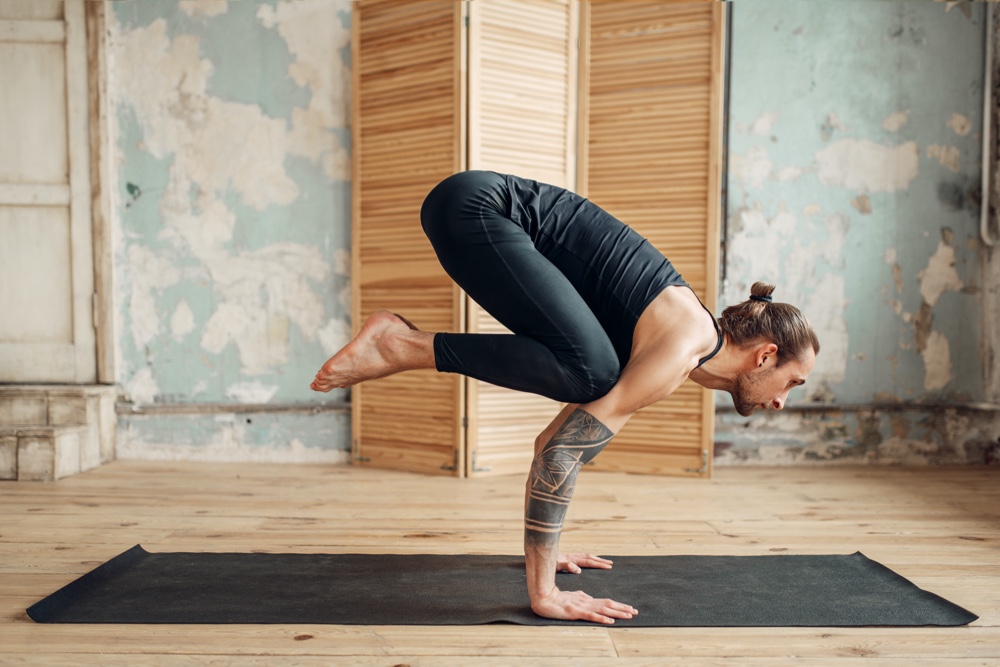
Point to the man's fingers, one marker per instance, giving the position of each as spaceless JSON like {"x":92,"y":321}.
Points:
{"x":617,"y":610}
{"x":607,"y":611}
{"x":578,"y":605}
{"x":592,"y":561}
{"x":585,"y":560}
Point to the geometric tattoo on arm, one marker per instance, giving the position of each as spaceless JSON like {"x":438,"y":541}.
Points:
{"x":553,"y":474}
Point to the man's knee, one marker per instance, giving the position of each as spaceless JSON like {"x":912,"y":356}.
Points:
{"x":604,"y":378}
{"x":599,"y":375}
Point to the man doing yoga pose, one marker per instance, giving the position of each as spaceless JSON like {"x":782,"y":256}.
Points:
{"x":600,"y":320}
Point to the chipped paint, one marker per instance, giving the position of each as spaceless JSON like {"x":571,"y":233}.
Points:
{"x":949,"y":156}
{"x":149,"y":275}
{"x":895,"y":121}
{"x":863,"y":204}
{"x":786,"y":174}
{"x":960,"y":124}
{"x":234,"y":262}
{"x":251,"y":392}
{"x":874,"y":171}
{"x":182,"y":321}
{"x":142,"y":387}
{"x":316,"y":43}
{"x":940,"y":275}
{"x":753,"y":168}
{"x":762,"y":126}
{"x":227,"y":437}
{"x":874,"y":437}
{"x":937,"y":361}
{"x":207,"y":8}
{"x":867,"y":166}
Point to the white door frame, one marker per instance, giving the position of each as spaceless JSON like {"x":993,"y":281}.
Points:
{"x":100,"y":179}
{"x":71,"y":356}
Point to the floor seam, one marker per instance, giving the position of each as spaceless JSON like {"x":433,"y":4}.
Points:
{"x":611,"y":636}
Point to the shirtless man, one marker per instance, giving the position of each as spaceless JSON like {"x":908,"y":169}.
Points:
{"x":600,"y":320}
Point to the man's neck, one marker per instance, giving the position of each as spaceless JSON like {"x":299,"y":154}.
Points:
{"x":720,"y":371}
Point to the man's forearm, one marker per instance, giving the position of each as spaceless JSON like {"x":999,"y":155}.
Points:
{"x":550,"y":487}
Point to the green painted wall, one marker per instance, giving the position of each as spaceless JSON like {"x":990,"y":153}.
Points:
{"x":854,"y":135}
{"x":855,"y":139}
{"x":232,"y":216}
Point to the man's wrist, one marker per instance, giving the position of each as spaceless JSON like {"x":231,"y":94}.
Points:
{"x":541,"y":593}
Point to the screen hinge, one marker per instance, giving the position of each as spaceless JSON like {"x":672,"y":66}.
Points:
{"x":453,"y":466}
{"x":476,"y":468}
{"x":356,"y":452}
{"x":704,"y":464}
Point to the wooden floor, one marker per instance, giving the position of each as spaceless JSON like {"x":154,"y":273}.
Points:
{"x":940,"y":527}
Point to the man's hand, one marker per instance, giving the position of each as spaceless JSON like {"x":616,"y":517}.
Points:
{"x":573,"y":562}
{"x":578,"y":606}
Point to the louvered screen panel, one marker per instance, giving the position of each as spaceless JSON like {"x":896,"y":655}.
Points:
{"x":522,"y":120}
{"x":653,"y":90}
{"x":407,"y":136}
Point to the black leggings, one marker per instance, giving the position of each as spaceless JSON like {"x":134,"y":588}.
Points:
{"x":509,"y":244}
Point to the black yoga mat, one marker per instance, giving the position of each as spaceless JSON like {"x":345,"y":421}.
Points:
{"x":367,"y":589}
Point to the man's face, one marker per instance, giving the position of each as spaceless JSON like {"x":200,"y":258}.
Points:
{"x":765,"y":388}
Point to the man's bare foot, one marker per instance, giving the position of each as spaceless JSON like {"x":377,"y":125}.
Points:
{"x":386,"y":344}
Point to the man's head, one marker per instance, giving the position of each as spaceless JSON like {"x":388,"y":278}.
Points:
{"x":779,"y":345}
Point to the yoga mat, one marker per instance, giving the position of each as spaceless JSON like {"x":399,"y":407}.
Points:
{"x":368,"y":589}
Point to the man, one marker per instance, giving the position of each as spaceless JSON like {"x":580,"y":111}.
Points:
{"x":600,"y":320}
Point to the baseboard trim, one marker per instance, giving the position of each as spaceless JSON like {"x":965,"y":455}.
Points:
{"x":127,"y":408}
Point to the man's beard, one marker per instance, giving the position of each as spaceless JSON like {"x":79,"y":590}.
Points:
{"x":745,"y":386}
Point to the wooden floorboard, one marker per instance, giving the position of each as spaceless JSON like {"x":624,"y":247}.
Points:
{"x":940,"y":527}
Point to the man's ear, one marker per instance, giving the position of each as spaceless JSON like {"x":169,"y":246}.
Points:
{"x":766,"y":354}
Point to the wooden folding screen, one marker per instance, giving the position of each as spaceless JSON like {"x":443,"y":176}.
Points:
{"x":644,"y":146}
{"x":650,"y":143}
{"x":522,"y":120}
{"x":408,"y":134}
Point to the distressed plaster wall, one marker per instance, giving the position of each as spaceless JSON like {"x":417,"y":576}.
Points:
{"x":854,"y":186}
{"x":231,"y":220}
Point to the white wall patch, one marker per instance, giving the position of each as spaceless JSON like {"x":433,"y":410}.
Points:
{"x":335,"y":335}
{"x":786,"y":174}
{"x":948,"y":156}
{"x":206,"y":8}
{"x":753,"y":168}
{"x":314,"y":36}
{"x":937,"y":362}
{"x":149,"y":274}
{"x":959,"y":124}
{"x":251,"y":392}
{"x":940,"y":275}
{"x":865,"y":166}
{"x":182,"y":322}
{"x":893,"y":122}
{"x":142,"y":388}
{"x":762,"y":126}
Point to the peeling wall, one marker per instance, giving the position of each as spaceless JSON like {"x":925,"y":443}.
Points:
{"x":854,"y":186}
{"x":231,"y":217}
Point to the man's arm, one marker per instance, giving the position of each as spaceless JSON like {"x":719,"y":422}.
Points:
{"x":575,"y":437}
{"x":550,"y":487}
